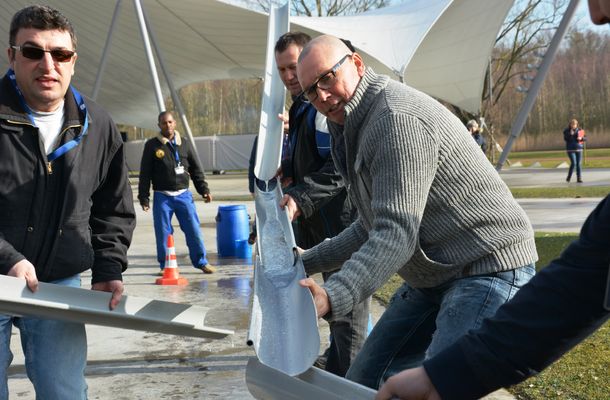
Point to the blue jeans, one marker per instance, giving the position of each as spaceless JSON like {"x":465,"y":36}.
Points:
{"x":348,"y":334}
{"x":164,"y":207}
{"x":575,"y":157}
{"x":419,"y":323}
{"x":55,"y":354}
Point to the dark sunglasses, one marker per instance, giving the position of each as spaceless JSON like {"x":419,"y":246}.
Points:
{"x":325,"y":81}
{"x":36,"y":53}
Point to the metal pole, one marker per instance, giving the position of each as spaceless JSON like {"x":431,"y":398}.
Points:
{"x":527,"y":105}
{"x":149,"y":56}
{"x":103,"y":61}
{"x":172,"y":89}
{"x":490,"y":84}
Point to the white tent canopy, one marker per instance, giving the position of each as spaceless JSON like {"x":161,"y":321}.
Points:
{"x":440,"y":46}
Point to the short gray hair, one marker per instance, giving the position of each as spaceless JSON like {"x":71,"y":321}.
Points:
{"x":471,"y":123}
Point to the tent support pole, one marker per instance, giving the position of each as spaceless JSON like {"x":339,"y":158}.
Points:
{"x":172,"y":89}
{"x":103,"y":61}
{"x":528,"y":103}
{"x":149,"y":56}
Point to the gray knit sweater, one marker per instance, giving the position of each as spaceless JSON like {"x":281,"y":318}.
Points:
{"x":431,"y":207}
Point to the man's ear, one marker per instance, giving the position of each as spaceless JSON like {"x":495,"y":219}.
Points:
{"x":359,"y":62}
{"x":10,"y":52}
{"x":74,"y":57}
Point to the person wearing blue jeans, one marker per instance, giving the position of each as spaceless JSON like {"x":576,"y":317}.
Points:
{"x":47,"y":343}
{"x":66,"y":204}
{"x":575,"y":142}
{"x":164,"y":207}
{"x":168,"y":161}
{"x":560,"y":307}
{"x":432,"y":318}
{"x":430,"y":208}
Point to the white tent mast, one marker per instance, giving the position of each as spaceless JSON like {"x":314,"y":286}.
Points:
{"x":149,"y":55}
{"x":103,"y":61}
{"x":172,"y":89}
{"x":148,"y":36}
{"x":528,"y":103}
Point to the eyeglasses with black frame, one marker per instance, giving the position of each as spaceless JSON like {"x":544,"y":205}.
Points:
{"x":36,"y":53}
{"x":325,"y":81}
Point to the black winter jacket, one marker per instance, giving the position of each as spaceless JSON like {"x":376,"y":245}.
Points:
{"x":78,"y":217}
{"x":158,"y":165}
{"x":317,"y":187}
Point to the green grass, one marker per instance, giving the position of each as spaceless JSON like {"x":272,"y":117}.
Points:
{"x":557,"y":192}
{"x":594,"y":158}
{"x":581,"y":374}
{"x":555,"y":154}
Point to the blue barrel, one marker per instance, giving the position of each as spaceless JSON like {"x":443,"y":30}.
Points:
{"x":232,"y":229}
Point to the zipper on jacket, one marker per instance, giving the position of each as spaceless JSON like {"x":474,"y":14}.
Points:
{"x":48,"y":163}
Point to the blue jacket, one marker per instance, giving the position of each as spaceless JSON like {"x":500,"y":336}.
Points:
{"x":573,"y":142}
{"x":317,"y":187}
{"x":558,"y":308}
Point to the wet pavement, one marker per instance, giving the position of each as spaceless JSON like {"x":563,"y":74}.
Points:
{"x":124,"y":364}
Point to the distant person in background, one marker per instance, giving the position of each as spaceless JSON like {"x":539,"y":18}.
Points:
{"x":168,"y":161}
{"x":561,"y":306}
{"x":473,"y":128}
{"x":575,"y":140}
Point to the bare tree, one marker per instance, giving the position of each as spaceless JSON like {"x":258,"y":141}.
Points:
{"x":524,"y":36}
{"x":321,"y":8}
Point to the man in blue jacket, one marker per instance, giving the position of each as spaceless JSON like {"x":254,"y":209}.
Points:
{"x":575,"y":143}
{"x":65,"y":201}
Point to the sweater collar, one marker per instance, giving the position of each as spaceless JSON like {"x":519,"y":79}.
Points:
{"x":165,"y":140}
{"x":364,"y":96}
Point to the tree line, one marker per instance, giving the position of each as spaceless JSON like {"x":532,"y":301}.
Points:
{"x":576,"y":86}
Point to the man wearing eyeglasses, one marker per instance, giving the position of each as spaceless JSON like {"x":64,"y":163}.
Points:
{"x":411,"y":169}
{"x":560,"y":307}
{"x":316,"y":198}
{"x":65,"y":201}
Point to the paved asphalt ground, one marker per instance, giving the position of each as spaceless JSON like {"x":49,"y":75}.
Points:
{"x":129,"y":365}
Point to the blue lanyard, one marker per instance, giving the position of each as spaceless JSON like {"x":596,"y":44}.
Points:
{"x":174,"y":146}
{"x":66,"y":147}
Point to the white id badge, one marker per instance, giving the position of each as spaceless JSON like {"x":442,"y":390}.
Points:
{"x":179,"y":170}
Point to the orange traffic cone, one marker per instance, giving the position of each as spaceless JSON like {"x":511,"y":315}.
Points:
{"x":170,"y":272}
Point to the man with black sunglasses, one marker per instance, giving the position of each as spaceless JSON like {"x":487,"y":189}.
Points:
{"x":316,"y":198}
{"x":411,"y":169}
{"x":65,"y":200}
